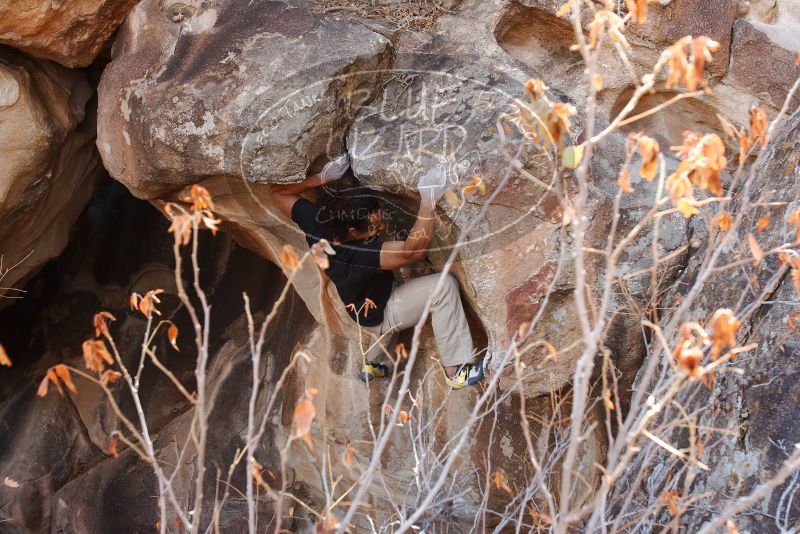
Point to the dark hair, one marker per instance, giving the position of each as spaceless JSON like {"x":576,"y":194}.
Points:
{"x":345,"y":204}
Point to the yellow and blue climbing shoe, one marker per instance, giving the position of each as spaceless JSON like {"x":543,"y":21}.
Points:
{"x":373,"y":370}
{"x":468,"y":374}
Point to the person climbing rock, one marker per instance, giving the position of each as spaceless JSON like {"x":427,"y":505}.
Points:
{"x":349,"y":217}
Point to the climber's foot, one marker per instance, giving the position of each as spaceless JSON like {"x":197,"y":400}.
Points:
{"x":468,"y":374}
{"x":372,"y":370}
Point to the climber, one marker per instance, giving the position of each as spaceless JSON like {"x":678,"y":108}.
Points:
{"x":349,"y":218}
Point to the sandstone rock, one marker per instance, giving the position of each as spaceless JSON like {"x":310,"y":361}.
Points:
{"x":763,"y":60}
{"x":43,"y":445}
{"x":213,"y":92}
{"x":713,"y":18}
{"x":753,"y":413}
{"x":116,"y":494}
{"x":49,"y":166}
{"x":72,"y":32}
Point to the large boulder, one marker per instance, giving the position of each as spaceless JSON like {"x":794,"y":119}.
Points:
{"x":215,"y":92}
{"x":70,"y":32}
{"x":764,"y":59}
{"x":49,"y":165}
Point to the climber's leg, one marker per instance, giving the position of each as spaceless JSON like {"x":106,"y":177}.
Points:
{"x":449,"y":321}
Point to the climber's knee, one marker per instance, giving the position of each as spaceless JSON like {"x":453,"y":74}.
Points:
{"x":448,"y":286}
{"x":450,"y":283}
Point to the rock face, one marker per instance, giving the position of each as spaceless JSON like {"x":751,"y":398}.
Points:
{"x":756,"y":411}
{"x":70,"y":32}
{"x":49,"y":166}
{"x":240,"y":95}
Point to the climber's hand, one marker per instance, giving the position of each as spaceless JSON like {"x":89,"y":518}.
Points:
{"x":335,"y":169}
{"x":432,"y":184}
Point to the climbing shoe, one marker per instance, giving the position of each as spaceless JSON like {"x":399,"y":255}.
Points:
{"x":373,"y":370}
{"x":468,"y":374}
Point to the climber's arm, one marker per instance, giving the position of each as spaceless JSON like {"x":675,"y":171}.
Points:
{"x":285,"y":195}
{"x":396,"y":254}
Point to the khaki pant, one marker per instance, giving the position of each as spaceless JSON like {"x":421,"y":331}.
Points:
{"x":405,"y":308}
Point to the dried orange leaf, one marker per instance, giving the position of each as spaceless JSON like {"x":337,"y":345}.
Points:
{"x":99,"y":322}
{"x":671,"y":498}
{"x":724,"y":220}
{"x":255,"y":471}
{"x":638,"y":9}
{"x":649,"y":149}
{"x":212,"y":224}
{"x":607,"y":399}
{"x":201,"y":198}
{"x":702,"y":163}
{"x":500,"y":481}
{"x":44,"y":386}
{"x":744,"y":146}
{"x":723,"y":326}
{"x":565,"y":10}
{"x":687,"y":207}
{"x":95,"y":355}
{"x":109,"y":377}
{"x":624,"y":181}
{"x":4,"y":359}
{"x":540,"y":519}
{"x":791,"y":322}
{"x":763,"y":222}
{"x":51,"y":374}
{"x":62,"y":371}
{"x":349,"y":455}
{"x":794,"y":220}
{"x":475,"y":185}
{"x":290,"y":259}
{"x":755,"y":248}
{"x":728,"y":127}
{"x":688,"y":357}
{"x":403,"y":417}
{"x":536,"y":87}
{"x":134,"y":300}
{"x":182,"y":227}
{"x":112,"y":447}
{"x":369,"y":304}
{"x":758,"y":125}
{"x":172,"y":335}
{"x":304,"y":414}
